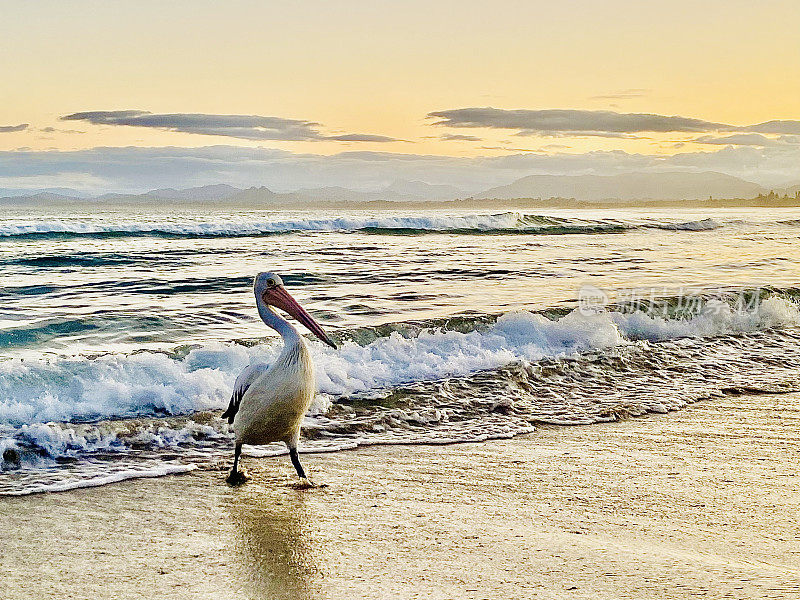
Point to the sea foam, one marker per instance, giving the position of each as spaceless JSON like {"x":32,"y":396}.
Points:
{"x":240,"y":227}
{"x":112,"y":477}
{"x":156,"y":384}
{"x":509,"y":222}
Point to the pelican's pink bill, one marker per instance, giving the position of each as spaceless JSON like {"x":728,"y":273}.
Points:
{"x":280,"y":298}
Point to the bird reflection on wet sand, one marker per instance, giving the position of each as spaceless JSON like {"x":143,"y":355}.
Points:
{"x":271,"y":535}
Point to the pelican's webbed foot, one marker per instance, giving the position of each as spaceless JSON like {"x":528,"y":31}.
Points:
{"x":305,"y":483}
{"x":236,"y":478}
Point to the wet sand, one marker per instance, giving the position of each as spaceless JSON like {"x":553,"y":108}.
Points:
{"x":703,"y":503}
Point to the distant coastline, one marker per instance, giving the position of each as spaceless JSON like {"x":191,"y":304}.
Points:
{"x":456,"y":204}
{"x":655,"y":190}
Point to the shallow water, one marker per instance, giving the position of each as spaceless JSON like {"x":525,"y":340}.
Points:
{"x":122,"y":331}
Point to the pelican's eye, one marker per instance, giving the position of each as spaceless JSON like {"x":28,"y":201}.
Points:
{"x":271,"y":283}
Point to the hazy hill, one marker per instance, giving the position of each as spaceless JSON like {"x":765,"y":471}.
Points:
{"x":219,"y":191}
{"x":629,"y":186}
{"x":425,"y":191}
{"x":310,"y":196}
{"x":336,"y":194}
{"x":253,"y":195}
{"x":7,"y":193}
{"x":195,"y":194}
{"x":42,"y":198}
{"x":397,"y":192}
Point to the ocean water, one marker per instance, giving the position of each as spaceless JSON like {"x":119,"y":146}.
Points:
{"x":122,"y":331}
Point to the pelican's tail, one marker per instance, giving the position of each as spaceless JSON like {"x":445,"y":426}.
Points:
{"x":233,"y":407}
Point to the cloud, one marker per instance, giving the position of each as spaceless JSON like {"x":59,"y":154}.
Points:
{"x":54,"y":130}
{"x":246,"y":127}
{"x":748,"y":139}
{"x":582,"y":122}
{"x":511,"y":149}
{"x":562,"y":134}
{"x":785,"y":127}
{"x":602,"y":123}
{"x":737,"y":139}
{"x":456,"y":137}
{"x":12,"y":128}
{"x":624,"y":94}
{"x":360,"y":137}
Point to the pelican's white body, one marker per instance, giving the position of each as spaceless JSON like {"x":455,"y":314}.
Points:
{"x":276,"y":397}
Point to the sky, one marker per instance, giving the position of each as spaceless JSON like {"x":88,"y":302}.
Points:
{"x":117,"y":95}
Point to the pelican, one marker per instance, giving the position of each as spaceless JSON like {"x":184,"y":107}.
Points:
{"x":269,"y":401}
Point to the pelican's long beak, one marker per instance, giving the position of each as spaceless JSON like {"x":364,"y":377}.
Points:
{"x":280,"y":298}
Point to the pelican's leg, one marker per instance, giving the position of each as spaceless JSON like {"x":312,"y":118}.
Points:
{"x":305,"y":482}
{"x":236,"y":477}
{"x":296,"y":462}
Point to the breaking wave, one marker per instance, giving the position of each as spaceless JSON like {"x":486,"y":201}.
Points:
{"x":158,"y":384}
{"x":484,"y":377}
{"x":507,"y":222}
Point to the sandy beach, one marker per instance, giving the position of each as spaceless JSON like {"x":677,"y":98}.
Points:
{"x":517,"y":287}
{"x":699,"y":503}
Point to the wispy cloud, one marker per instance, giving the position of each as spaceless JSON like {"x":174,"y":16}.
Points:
{"x":12,"y":128}
{"x":246,"y":127}
{"x":623,"y":94}
{"x":457,"y":137}
{"x":54,"y":130}
{"x":584,"y":134}
{"x":737,"y":139}
{"x":360,"y":137}
{"x":602,"y":123}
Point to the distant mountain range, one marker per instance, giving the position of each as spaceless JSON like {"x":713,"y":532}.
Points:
{"x":399,"y":191}
{"x":207,"y":192}
{"x":628,"y":187}
{"x":404,"y":191}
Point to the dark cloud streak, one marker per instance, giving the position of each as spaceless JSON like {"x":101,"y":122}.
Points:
{"x":246,"y":127}
{"x":570,"y":121}
{"x":13,"y":128}
{"x":457,"y":137}
{"x":603,"y":123}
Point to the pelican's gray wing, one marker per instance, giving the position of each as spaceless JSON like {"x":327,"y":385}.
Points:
{"x":243,"y":381}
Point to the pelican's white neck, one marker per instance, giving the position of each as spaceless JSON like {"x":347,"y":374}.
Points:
{"x":276,"y":322}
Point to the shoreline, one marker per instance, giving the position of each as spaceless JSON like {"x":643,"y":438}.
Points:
{"x":702,"y":501}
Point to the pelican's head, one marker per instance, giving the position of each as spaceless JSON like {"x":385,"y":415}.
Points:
{"x":269,"y":289}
